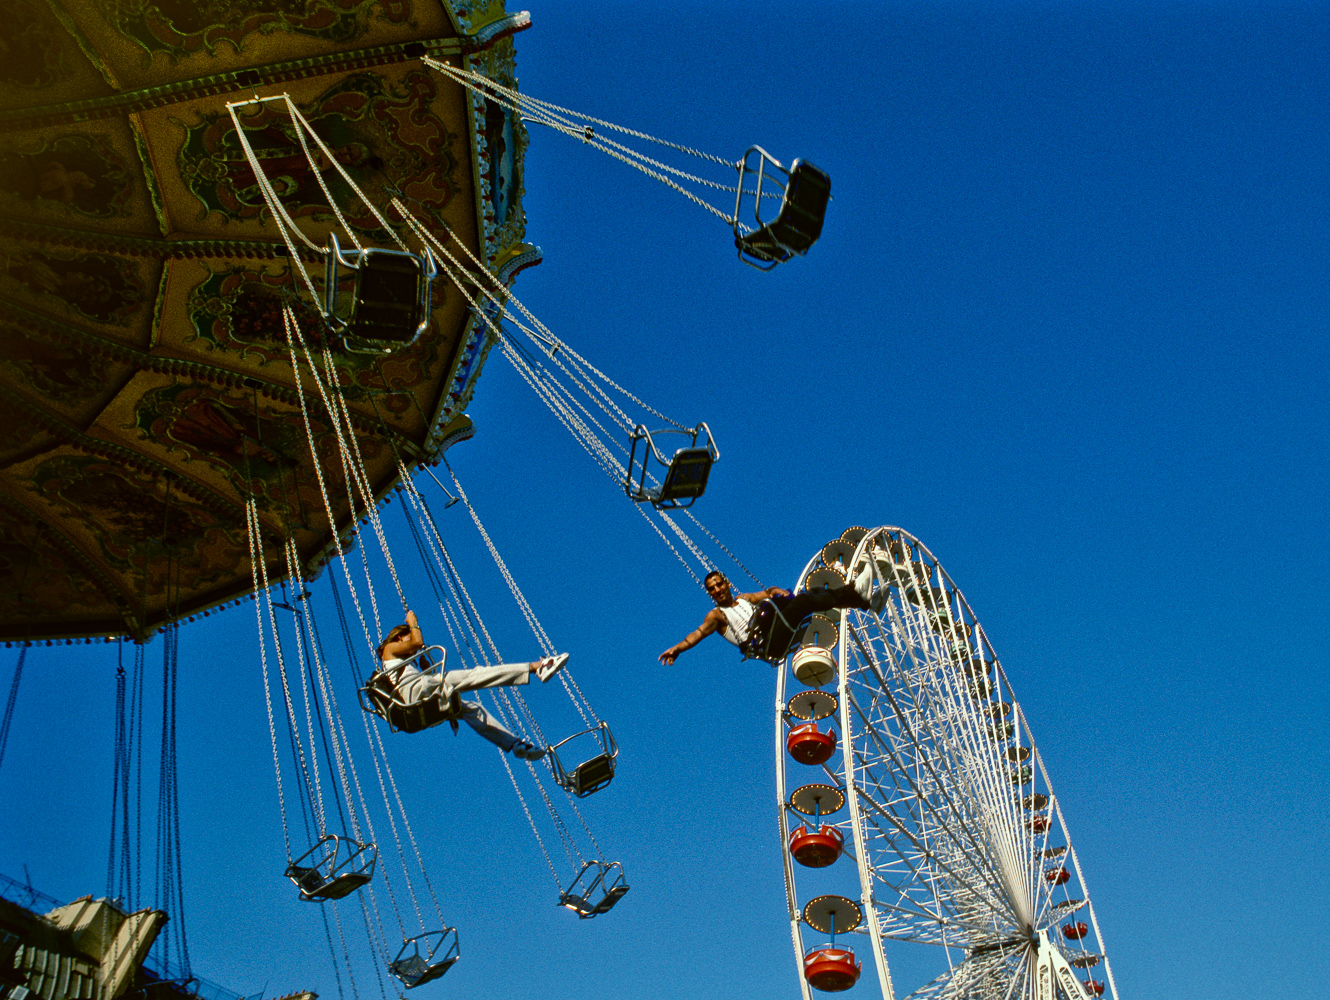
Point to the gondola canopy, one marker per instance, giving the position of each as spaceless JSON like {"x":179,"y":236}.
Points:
{"x":146,"y":383}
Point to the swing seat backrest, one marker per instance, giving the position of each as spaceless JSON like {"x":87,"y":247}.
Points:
{"x":591,"y":776}
{"x":798,"y":224}
{"x":410,"y":970}
{"x":686,"y":478}
{"x":314,"y":886}
{"x":612,"y":896}
{"x":425,"y":714}
{"x":387,"y":304}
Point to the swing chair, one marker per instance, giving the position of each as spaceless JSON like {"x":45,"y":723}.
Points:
{"x":803,"y":189}
{"x":390,"y":298}
{"x":390,"y":303}
{"x":426,"y":957}
{"x":686,"y":472}
{"x":603,"y":887}
{"x":798,"y":223}
{"x":379,"y":696}
{"x":592,"y":774}
{"x":334,"y":867}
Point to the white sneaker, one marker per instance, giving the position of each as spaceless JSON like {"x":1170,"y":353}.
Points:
{"x":876,"y":597}
{"x":878,"y":601}
{"x":550,"y":666}
{"x":863,"y":580}
{"x":524,"y":750}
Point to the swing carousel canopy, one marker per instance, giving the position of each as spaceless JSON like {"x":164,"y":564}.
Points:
{"x":146,"y":387}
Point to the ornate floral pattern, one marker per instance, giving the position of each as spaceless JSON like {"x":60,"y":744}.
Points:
{"x":60,"y":372}
{"x":183,"y":27}
{"x":29,"y":50}
{"x":137,"y":520}
{"x":373,"y":129}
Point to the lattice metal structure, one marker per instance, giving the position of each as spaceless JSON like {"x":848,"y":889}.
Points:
{"x":950,"y":817}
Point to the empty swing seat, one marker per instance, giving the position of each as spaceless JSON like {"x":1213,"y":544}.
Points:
{"x":685,"y":472}
{"x":333,"y":868}
{"x":798,"y":222}
{"x":390,"y":303}
{"x":592,"y":774}
{"x":425,"y":958}
{"x":595,"y":890}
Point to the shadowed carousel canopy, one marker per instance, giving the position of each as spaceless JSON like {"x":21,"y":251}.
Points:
{"x":146,"y":384}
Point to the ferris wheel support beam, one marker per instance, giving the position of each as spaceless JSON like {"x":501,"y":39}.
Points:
{"x":866,"y":880}
{"x":783,"y":818}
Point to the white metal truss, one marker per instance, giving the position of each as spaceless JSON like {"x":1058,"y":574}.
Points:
{"x":957,"y":834}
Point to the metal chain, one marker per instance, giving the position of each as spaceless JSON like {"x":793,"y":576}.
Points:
{"x":670,"y":545}
{"x":251,"y":522}
{"x":721,"y":545}
{"x":293,"y":336}
{"x":539,"y":840}
{"x":482,"y":85}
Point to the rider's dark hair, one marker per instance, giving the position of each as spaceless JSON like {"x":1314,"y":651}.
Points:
{"x":714,"y":572}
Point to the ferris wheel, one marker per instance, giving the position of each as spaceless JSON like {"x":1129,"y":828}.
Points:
{"x":934,"y":796}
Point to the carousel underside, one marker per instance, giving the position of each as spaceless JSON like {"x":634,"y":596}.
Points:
{"x":146,"y":382}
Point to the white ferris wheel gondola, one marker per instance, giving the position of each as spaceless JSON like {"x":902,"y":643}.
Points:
{"x":952,"y":825}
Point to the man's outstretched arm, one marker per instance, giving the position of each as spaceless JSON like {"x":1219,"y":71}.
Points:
{"x":713,"y":621}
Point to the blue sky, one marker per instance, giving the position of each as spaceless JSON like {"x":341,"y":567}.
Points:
{"x":1066,"y":324}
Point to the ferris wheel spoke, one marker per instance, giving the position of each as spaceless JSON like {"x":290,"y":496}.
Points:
{"x":941,"y":811}
{"x":903,"y":873}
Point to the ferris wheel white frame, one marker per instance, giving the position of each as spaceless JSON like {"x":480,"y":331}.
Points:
{"x":958,"y":839}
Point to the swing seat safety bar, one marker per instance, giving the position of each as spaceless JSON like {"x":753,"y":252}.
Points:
{"x":685,"y":472}
{"x":390,"y":304}
{"x":341,"y":867}
{"x":593,"y":774}
{"x":804,"y":194}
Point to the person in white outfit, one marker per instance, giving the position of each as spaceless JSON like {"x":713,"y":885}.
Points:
{"x":412,"y":686}
{"x":762,"y":624}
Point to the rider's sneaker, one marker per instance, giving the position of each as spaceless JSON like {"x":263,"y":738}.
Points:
{"x":550,"y":666}
{"x":876,"y":597}
{"x":524,"y":750}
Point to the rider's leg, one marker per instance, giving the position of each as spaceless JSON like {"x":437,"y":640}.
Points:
{"x":475,"y":716}
{"x":504,"y":675}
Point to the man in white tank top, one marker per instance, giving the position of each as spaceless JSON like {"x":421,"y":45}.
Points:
{"x":762,"y":624}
